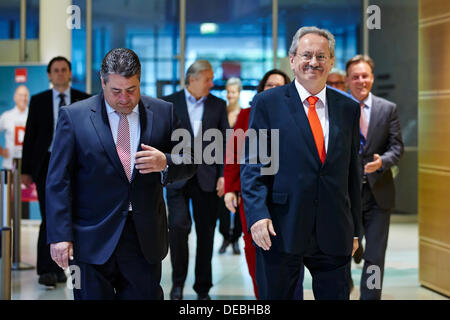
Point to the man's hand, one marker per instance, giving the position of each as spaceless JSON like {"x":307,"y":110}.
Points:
{"x":260,"y":233}
{"x":220,"y":187}
{"x":374,"y":165}
{"x":355,"y":246}
{"x":150,"y":160}
{"x":61,"y":252}
{"x":27,"y":180}
{"x":231,"y":201}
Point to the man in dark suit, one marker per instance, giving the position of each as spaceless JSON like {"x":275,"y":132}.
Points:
{"x":309,"y":209}
{"x":198,"y":111}
{"x":105,"y":205}
{"x":382,"y":149}
{"x":37,"y":146}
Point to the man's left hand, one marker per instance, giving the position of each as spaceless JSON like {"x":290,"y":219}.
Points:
{"x":150,"y":160}
{"x":220,"y":188}
{"x":374,"y":165}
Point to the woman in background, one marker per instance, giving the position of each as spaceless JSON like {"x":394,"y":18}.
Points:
{"x":230,"y":234}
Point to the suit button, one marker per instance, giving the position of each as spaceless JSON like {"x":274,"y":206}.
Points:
{"x":316,"y":202}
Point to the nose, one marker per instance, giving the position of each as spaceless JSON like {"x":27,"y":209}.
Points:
{"x":314,"y":61}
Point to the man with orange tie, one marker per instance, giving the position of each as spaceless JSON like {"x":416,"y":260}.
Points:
{"x":381,"y":149}
{"x":309,"y":210}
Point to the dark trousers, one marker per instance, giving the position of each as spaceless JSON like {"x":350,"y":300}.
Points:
{"x":230,"y":235}
{"x":376,"y":230}
{"x":205,"y":216}
{"x":278,"y":273}
{"x":127,"y":275}
{"x":45,"y":263}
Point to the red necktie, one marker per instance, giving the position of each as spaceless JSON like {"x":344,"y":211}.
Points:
{"x":123,"y":144}
{"x":316,"y":127}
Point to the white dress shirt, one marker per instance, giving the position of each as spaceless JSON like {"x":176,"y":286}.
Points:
{"x":321,"y":108}
{"x":135,"y":129}
{"x":135,"y":132}
{"x":195,"y":110}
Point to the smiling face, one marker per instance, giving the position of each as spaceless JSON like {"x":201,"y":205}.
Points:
{"x":122,"y":93}
{"x":312,"y":62}
{"x":21,"y":98}
{"x":360,"y":80}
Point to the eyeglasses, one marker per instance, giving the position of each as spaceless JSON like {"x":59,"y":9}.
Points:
{"x":335,"y":83}
{"x":307,"y":56}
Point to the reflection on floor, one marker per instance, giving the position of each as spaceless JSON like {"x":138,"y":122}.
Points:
{"x":230,"y":273}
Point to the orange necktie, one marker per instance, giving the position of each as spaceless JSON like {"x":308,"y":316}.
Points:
{"x":316,"y":127}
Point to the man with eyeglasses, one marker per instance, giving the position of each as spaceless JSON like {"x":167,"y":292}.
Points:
{"x":309,"y":211}
{"x":382,"y":149}
{"x":336,"y":79}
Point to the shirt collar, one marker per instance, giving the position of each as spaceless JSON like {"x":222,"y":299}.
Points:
{"x":110,"y":109}
{"x":304,"y":94}
{"x":368,"y":101}
{"x":66,"y":92}
{"x":192,"y":99}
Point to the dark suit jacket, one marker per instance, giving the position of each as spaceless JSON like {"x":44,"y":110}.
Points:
{"x":39,"y":131}
{"x":87,"y":189}
{"x":214,"y":117}
{"x":383,"y":137}
{"x":305,"y":195}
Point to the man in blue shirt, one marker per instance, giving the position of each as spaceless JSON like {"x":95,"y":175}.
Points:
{"x":198,"y":111}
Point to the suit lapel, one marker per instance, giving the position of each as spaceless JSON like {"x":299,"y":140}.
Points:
{"x":206,"y":114}
{"x":146,"y":123}
{"x":295,"y":106}
{"x":182,"y":112}
{"x":100,"y":122}
{"x":333,"y":127}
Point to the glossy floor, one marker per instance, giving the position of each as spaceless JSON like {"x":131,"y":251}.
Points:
{"x":230,"y":273}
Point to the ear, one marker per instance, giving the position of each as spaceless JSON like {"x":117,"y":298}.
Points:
{"x":103,"y":83}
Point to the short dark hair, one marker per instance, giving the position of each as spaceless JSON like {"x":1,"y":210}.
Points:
{"x":58,"y":58}
{"x":360,"y":58}
{"x":263,"y":81}
{"x":121,"y":61}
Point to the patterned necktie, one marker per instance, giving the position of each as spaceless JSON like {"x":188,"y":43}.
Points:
{"x":123,"y":144}
{"x":62,"y":101}
{"x":316,"y":127}
{"x":363,"y":125}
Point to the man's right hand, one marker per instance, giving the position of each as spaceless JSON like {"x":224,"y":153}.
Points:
{"x":260,"y":233}
{"x":61,"y":252}
{"x":231,"y":201}
{"x":27,"y":180}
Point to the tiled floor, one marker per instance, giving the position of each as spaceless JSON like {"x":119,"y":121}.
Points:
{"x":230,"y":274}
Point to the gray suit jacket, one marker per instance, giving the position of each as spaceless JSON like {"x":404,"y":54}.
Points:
{"x":384,"y":138}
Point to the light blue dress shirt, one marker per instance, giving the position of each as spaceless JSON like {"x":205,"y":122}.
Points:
{"x":195,"y":109}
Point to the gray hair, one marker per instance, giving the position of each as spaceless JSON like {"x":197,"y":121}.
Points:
{"x":197,"y":67}
{"x":121,"y":61}
{"x":306,"y":30}
{"x":233,"y":81}
{"x":337,"y":71}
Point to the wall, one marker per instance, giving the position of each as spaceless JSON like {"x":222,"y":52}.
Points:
{"x":434,"y":145}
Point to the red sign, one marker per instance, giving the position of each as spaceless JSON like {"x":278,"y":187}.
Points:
{"x":21,"y":75}
{"x":19,"y":133}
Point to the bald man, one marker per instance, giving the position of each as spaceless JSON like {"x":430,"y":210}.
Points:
{"x":12,"y":122}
